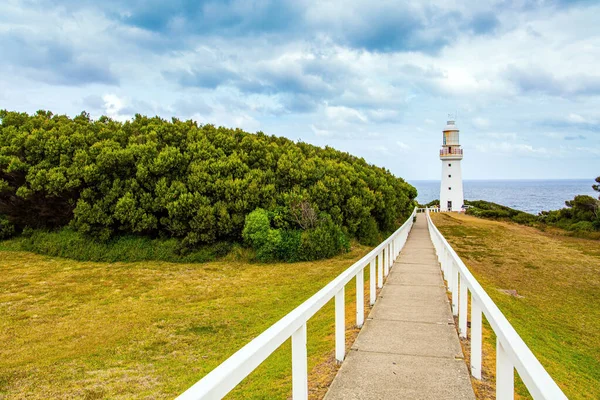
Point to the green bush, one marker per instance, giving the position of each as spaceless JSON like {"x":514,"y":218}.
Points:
{"x":154,"y":178}
{"x":324,"y":240}
{"x":256,"y":228}
{"x":581,"y":226}
{"x":524,"y":218}
{"x":368,"y":233}
{"x":7,"y":229}
{"x":289,"y":246}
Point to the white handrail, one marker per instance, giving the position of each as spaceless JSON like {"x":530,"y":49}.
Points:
{"x":512,"y":352}
{"x":220,"y":381}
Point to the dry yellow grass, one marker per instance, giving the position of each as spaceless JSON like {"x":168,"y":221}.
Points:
{"x":559,"y":279}
{"x":150,"y":330}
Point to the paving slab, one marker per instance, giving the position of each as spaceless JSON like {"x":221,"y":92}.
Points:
{"x":408,"y":347}
{"x":408,"y":337}
{"x":365,"y":376}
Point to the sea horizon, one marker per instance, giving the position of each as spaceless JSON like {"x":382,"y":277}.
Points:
{"x":529,"y":195}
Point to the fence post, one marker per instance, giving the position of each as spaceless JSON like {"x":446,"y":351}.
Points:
{"x":475,"y":338}
{"x":340,"y":326}
{"x":386,"y":260}
{"x":380,"y":270}
{"x":299,"y":365}
{"x":462,"y":308}
{"x":448,"y":272}
{"x":360,"y":298}
{"x":454,"y":274}
{"x":505,"y":374}
{"x":372,"y":279}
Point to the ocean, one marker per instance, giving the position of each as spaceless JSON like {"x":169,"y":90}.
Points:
{"x":531,"y":196}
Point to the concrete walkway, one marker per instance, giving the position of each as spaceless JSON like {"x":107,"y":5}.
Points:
{"x":408,"y":347}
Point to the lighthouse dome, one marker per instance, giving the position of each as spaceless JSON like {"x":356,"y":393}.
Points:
{"x":451,"y":126}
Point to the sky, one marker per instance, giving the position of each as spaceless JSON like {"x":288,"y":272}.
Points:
{"x":375,"y":79}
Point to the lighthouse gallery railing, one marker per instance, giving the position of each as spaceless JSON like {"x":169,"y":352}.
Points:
{"x":451,"y":152}
{"x":232,"y":371}
{"x":511,"y":351}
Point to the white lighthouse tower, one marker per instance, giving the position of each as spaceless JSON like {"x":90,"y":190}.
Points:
{"x":451,"y":189}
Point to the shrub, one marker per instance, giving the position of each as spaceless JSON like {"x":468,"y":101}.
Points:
{"x":368,"y":233}
{"x":581,"y":226}
{"x":324,"y":241}
{"x":7,"y":229}
{"x":256,"y":228}
{"x":524,"y":218}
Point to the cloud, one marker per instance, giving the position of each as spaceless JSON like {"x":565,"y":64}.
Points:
{"x":510,"y":148}
{"x":538,"y":80}
{"x":575,"y":137}
{"x":209,"y":77}
{"x":481,"y":123}
{"x":573,"y":121}
{"x":403,"y":146}
{"x":51,"y":62}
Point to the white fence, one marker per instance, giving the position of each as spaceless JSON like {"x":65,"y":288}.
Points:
{"x":511,"y":352}
{"x":232,"y":371}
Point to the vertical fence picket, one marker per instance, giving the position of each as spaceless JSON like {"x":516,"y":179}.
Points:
{"x":454,"y":274}
{"x":372,"y":282}
{"x":299,"y":365}
{"x":462,"y":308}
{"x":380,"y":270}
{"x":476,"y":338}
{"x":505,"y":374}
{"x":360,"y":298}
{"x":340,"y":326}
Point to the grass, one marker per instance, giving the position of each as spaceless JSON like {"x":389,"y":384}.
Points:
{"x":559,"y":278}
{"x":70,"y":244}
{"x":93,"y":330}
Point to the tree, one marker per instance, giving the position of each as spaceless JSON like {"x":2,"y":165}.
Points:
{"x":597,"y":187}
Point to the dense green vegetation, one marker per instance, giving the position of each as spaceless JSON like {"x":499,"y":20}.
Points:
{"x":155,"y":179}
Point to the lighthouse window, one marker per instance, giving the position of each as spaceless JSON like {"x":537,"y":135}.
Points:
{"x":449,"y":176}
{"x":449,"y":188}
{"x":449,"y":164}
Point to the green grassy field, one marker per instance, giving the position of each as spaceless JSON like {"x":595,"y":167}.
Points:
{"x":558,"y":277}
{"x":94,"y":330}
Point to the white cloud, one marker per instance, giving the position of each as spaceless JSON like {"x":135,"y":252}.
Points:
{"x":403,"y":146}
{"x":481,"y":123}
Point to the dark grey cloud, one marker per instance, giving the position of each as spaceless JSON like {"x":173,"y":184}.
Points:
{"x":536,"y":80}
{"x":379,"y":27}
{"x":575,"y":137}
{"x":51,"y":61}
{"x":93,"y":102}
{"x":569,"y":125}
{"x":188,"y":107}
{"x":300,"y":85}
{"x":299,"y":103}
{"x":484,"y":22}
{"x":224,"y":18}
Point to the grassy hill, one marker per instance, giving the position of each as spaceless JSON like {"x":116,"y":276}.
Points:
{"x":150,"y":330}
{"x":557,"y":282}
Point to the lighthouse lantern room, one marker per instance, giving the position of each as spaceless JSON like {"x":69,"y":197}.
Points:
{"x":451,"y":154}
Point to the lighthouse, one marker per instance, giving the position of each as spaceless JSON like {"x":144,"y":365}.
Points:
{"x":451,"y":188}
